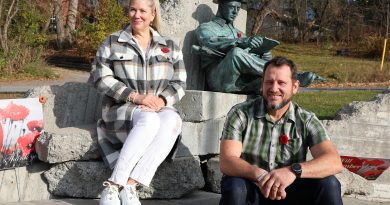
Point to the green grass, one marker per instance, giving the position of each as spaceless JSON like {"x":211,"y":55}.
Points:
{"x":321,"y":60}
{"x":34,"y":70}
{"x":325,"y":104}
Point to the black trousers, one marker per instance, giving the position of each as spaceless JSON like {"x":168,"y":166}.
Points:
{"x":240,"y":191}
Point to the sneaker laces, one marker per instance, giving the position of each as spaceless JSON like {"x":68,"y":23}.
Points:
{"x":131,"y":191}
{"x":112,"y":190}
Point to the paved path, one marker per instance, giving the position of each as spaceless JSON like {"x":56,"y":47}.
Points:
{"x":197,"y":198}
{"x":66,"y":75}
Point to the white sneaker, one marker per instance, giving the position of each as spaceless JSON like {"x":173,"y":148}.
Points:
{"x":128,"y":195}
{"x":109,"y":195}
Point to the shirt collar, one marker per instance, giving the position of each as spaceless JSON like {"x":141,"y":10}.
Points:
{"x":220,"y":21}
{"x":261,"y":111}
{"x":126,"y":36}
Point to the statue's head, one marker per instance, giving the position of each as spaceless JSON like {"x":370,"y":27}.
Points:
{"x":228,"y":9}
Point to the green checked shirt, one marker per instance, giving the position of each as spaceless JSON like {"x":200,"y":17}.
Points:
{"x":249,"y":123}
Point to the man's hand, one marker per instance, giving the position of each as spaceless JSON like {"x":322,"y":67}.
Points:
{"x":150,"y":102}
{"x":273,"y":185}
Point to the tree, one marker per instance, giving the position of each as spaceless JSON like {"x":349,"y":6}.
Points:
{"x":261,"y":13}
{"x":60,"y":25}
{"x":71,"y":21}
{"x":65,"y":26}
{"x":8,"y":10}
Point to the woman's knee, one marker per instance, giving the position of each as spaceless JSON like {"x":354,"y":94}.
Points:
{"x":171,"y":120}
{"x":147,"y":119}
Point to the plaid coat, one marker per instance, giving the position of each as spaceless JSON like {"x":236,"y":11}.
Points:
{"x":119,"y":68}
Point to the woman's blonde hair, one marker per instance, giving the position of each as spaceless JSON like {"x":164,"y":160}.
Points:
{"x":155,"y":5}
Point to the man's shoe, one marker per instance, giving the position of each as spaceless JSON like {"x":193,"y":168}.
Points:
{"x":109,"y":195}
{"x":128,"y":195}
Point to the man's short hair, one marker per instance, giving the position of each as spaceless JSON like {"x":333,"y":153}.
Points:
{"x":279,"y":61}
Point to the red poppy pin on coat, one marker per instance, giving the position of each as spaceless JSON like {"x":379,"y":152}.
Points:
{"x":165,"y":50}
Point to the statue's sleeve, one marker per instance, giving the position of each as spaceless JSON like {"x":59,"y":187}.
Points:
{"x":102,"y":75}
{"x":207,"y":37}
{"x":176,"y":86}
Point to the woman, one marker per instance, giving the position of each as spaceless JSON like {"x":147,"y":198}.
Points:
{"x":141,"y":75}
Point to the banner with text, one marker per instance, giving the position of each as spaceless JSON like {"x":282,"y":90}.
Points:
{"x":368,"y":168}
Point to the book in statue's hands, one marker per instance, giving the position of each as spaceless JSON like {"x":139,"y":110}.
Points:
{"x":266,"y":46}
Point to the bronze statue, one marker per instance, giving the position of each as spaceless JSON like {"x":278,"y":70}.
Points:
{"x":233,"y":62}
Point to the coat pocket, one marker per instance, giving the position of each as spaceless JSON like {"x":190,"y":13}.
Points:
{"x":122,"y":57}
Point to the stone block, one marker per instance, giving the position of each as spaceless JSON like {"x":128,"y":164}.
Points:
{"x":71,"y":104}
{"x":84,"y":179}
{"x":349,"y":138}
{"x":77,"y":179}
{"x":384,"y":178}
{"x":197,"y":106}
{"x":174,"y":180}
{"x":200,"y":138}
{"x":67,"y":144}
{"x":24,"y":184}
{"x":354,"y":184}
{"x":214,"y":175}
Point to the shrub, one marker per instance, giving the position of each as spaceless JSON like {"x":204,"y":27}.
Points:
{"x":26,"y":40}
{"x":370,"y":46}
{"x":110,"y":18}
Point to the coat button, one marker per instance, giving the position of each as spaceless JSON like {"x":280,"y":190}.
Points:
{"x":121,"y":57}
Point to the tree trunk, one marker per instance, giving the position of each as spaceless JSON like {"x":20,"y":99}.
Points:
{"x":7,"y":19}
{"x":61,"y":43}
{"x":260,"y":16}
{"x":71,"y":21}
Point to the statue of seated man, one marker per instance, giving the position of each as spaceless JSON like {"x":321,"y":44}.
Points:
{"x":234,"y":63}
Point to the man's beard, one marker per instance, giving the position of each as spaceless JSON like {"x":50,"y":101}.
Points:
{"x":277,"y":106}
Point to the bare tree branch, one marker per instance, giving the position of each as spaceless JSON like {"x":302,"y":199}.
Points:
{"x":260,"y":16}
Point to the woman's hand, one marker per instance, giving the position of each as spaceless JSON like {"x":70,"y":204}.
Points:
{"x":150,"y":102}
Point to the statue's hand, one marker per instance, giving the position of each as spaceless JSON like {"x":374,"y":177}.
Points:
{"x":255,"y":41}
{"x":267,"y":56}
{"x":251,"y":42}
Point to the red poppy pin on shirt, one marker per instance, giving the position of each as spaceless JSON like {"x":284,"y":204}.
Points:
{"x":165,"y":50}
{"x":239,"y":34}
{"x":283,"y":139}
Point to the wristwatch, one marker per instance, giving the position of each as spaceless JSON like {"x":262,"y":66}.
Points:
{"x":297,"y":169}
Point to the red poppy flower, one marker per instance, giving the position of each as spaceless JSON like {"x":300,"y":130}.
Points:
{"x":165,"y":50}
{"x":3,"y":114}
{"x":283,"y":139}
{"x":1,"y":137}
{"x":8,"y":151}
{"x":239,"y":34}
{"x":26,"y":143}
{"x":16,"y":112}
{"x":35,"y":125}
{"x":42,"y":99}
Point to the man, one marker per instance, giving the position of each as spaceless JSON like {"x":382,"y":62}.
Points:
{"x":264,"y":145}
{"x":233,"y":63}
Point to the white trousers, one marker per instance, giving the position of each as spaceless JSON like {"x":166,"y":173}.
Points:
{"x":147,"y":145}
